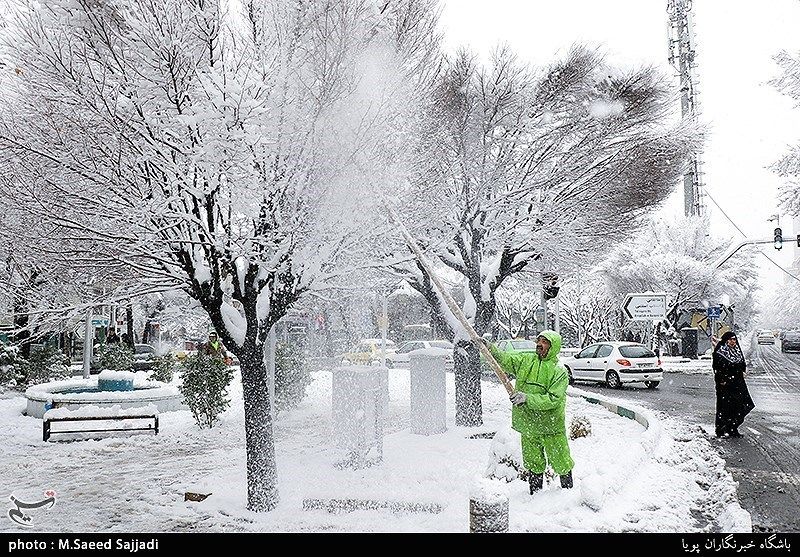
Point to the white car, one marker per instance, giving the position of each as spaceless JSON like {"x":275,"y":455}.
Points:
{"x":400,"y":357}
{"x":615,"y":363}
{"x":765,"y":337}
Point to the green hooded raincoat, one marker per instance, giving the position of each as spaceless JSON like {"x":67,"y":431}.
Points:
{"x":540,"y":421}
{"x":545,"y":384}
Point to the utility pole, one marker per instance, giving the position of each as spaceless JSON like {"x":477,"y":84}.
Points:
{"x":384,"y":326}
{"x":88,"y":339}
{"x":578,"y":312}
{"x":682,"y":58}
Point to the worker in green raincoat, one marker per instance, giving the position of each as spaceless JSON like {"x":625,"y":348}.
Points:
{"x":538,"y":412}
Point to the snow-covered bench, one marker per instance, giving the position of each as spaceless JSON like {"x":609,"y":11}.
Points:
{"x":100,"y":420}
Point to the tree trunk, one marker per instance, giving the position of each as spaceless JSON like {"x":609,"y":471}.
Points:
{"x":468,"y":384}
{"x":129,"y":324}
{"x":22,"y":335}
{"x":262,"y":475}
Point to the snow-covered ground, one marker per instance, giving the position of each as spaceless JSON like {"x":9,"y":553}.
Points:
{"x":674,"y":364}
{"x":627,"y":478}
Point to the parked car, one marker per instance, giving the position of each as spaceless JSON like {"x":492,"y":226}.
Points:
{"x":790,"y":341}
{"x":400,"y":357}
{"x":143,"y":356}
{"x":367,"y":352}
{"x":615,"y":363}
{"x":516,"y":345}
{"x":765,"y":337}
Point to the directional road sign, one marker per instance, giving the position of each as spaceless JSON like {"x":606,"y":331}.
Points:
{"x":645,"y":306}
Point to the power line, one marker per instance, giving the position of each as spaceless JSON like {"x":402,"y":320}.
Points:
{"x":778,"y":265}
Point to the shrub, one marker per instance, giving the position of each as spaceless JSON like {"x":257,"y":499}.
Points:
{"x":205,"y":387}
{"x":8,"y":375}
{"x":580,"y":426}
{"x":45,"y":364}
{"x":117,"y":356}
{"x":163,"y":368}
{"x":291,"y":376}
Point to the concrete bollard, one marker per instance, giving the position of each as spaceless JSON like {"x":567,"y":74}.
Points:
{"x":428,"y":393}
{"x":359,"y":412}
{"x":488,"y":517}
{"x":488,"y":508}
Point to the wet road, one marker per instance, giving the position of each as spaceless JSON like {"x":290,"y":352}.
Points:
{"x":766,"y":461}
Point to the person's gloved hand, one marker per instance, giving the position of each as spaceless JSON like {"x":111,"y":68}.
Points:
{"x":518,"y":398}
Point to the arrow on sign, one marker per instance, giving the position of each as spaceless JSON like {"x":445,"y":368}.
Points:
{"x":645,"y":306}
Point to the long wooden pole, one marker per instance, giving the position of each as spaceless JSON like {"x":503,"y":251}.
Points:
{"x":451,"y":303}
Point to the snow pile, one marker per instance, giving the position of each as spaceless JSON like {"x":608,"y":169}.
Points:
{"x":92,"y":411}
{"x":116,"y":375}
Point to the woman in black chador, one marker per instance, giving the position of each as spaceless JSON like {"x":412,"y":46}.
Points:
{"x":733,"y":399}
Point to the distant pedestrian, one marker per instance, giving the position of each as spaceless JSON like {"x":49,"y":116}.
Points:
{"x":733,"y":398}
{"x":112,"y":337}
{"x":214,"y":347}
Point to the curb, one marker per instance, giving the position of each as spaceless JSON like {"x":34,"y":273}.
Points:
{"x":653,"y":430}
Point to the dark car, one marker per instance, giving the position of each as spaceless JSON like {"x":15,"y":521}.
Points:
{"x":143,"y":356}
{"x":790,"y":341}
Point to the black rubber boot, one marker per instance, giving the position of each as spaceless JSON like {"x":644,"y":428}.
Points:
{"x":536,"y":482}
{"x":566,"y":480}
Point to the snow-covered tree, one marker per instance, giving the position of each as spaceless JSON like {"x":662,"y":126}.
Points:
{"x":675,"y":256}
{"x":589,"y":312}
{"x":516,"y":304}
{"x":782,"y":309}
{"x":788,"y":166}
{"x":212,"y":146}
{"x":527,"y":170}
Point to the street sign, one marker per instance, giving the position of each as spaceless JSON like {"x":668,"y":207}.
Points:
{"x":714,"y":312}
{"x":645,"y":306}
{"x":99,"y":321}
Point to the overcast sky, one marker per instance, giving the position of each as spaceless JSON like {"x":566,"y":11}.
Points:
{"x":751,"y":124}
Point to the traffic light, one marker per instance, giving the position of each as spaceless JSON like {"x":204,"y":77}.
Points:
{"x":798,"y":240}
{"x":549,"y":287}
{"x":778,"y":238}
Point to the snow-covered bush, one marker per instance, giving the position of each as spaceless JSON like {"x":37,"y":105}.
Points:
{"x":8,"y":376}
{"x":45,"y":364}
{"x":291,"y":377}
{"x":163,"y":368}
{"x":116,"y":356}
{"x":205,"y":387}
{"x":580,"y":426}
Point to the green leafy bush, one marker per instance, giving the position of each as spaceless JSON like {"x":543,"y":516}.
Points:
{"x":163,"y":368}
{"x":291,"y":376}
{"x":8,"y":374}
{"x":205,"y":387}
{"x":116,"y":356}
{"x":45,"y":364}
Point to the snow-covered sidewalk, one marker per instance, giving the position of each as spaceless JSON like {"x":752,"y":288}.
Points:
{"x":626,"y":478}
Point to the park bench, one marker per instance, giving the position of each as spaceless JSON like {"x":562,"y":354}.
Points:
{"x":106,"y":422}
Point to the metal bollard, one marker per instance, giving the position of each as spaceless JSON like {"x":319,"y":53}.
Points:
{"x":488,"y":516}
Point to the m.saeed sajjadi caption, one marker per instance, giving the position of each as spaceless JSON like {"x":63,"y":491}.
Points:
{"x":129,"y":545}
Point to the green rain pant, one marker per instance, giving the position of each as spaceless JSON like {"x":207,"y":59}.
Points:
{"x":538,"y":450}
